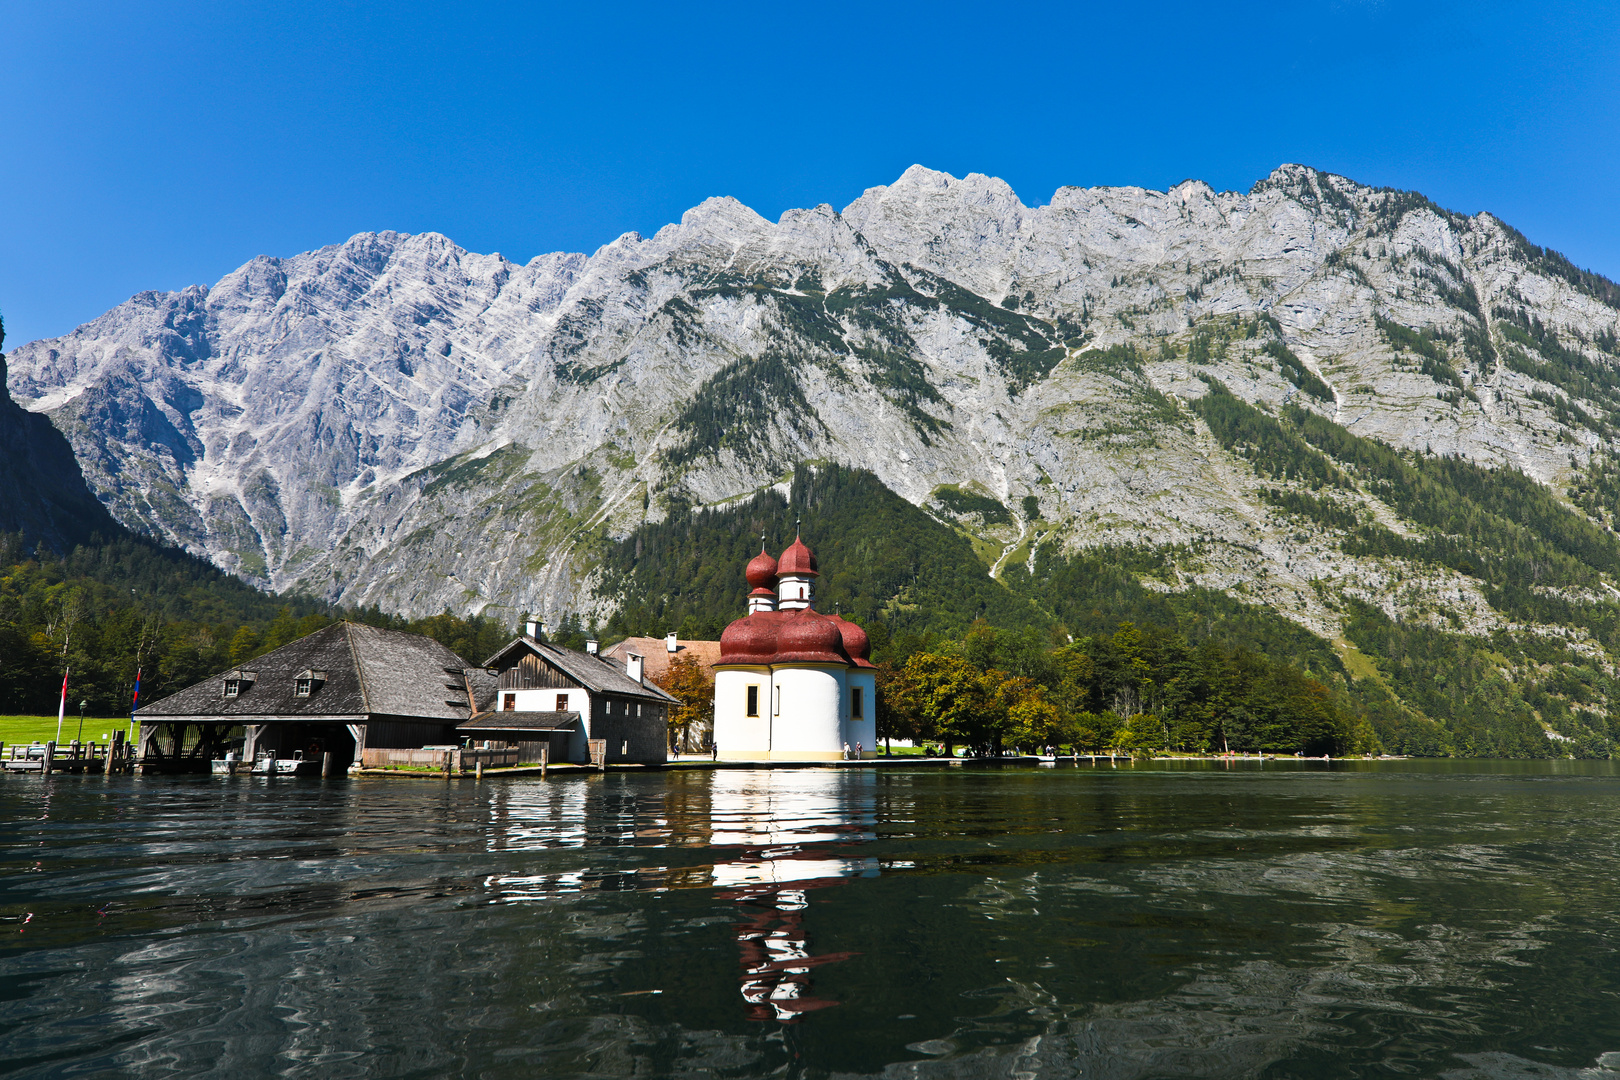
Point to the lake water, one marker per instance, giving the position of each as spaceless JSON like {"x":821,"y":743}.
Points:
{"x":1454,"y":919}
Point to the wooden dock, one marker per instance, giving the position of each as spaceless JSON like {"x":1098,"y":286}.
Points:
{"x":46,"y":758}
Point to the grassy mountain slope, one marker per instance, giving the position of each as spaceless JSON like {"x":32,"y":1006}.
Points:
{"x":1426,"y":688}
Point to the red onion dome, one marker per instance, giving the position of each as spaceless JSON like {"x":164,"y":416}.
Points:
{"x":856,"y":643}
{"x":749,"y":640}
{"x":761,"y":571}
{"x":797,"y":561}
{"x":809,"y":638}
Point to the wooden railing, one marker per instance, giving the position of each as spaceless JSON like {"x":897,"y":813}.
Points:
{"x":48,"y":757}
{"x":446,"y":759}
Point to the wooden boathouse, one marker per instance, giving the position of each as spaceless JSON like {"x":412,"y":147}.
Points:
{"x":336,"y":691}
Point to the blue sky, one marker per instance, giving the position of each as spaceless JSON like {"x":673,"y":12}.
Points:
{"x":151,"y":146}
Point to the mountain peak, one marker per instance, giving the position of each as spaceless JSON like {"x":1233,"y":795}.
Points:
{"x":326,"y":420}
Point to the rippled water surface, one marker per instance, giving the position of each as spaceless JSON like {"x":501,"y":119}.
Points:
{"x":1438,"y":919}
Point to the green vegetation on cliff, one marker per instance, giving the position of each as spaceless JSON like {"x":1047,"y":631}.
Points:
{"x":113,"y":604}
{"x":917,"y":584}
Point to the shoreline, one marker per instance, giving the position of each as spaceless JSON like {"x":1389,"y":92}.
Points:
{"x":700,"y":764}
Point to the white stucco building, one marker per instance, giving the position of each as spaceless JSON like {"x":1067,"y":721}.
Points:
{"x":792,"y":684}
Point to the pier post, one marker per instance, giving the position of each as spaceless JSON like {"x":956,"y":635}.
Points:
{"x":50,"y":755}
{"x":478,"y":770}
{"x":326,"y":763}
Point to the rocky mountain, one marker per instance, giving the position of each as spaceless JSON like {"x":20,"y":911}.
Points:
{"x":43,"y":495}
{"x":397,"y":421}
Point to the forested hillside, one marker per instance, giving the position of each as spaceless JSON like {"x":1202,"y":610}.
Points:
{"x":111,"y":605}
{"x":918,"y":585}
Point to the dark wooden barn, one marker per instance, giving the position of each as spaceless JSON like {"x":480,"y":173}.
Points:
{"x":338,"y":691}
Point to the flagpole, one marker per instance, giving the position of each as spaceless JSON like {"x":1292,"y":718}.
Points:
{"x":134,"y":703}
{"x":61,"y":708}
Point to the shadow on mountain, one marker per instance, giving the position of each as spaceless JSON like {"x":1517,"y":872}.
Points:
{"x":43,"y":494}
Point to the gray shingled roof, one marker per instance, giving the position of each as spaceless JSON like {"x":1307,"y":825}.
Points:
{"x":514,"y":720}
{"x":369,"y":672}
{"x":485,"y":687}
{"x":594,"y":673}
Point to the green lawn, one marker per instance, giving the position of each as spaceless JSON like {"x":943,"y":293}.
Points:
{"x":27,"y":729}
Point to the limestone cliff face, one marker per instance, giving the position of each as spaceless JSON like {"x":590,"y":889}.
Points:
{"x":43,"y":495}
{"x":397,"y":421}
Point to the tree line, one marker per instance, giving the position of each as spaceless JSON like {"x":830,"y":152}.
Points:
{"x":112,"y":607}
{"x":1138,"y":689}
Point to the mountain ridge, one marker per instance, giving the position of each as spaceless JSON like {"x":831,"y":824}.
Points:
{"x":331,"y":420}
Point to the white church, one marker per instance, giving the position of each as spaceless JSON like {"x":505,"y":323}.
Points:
{"x":792,"y":684}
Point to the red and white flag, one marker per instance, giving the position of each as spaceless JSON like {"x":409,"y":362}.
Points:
{"x":61,"y":710}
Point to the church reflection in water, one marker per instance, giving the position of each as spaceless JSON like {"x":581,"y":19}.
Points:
{"x":788,"y":827}
{"x":775,"y":837}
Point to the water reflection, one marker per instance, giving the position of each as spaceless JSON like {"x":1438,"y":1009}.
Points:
{"x":1119,"y":923}
{"x":789,"y":825}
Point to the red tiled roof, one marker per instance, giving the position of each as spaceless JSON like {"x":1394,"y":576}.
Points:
{"x":658,"y":655}
{"x":787,"y":637}
{"x":797,"y":560}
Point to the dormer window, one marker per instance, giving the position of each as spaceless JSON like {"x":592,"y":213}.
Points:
{"x":236,"y":682}
{"x":307,"y":682}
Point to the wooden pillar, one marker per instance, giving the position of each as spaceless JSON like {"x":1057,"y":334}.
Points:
{"x":358,"y":732}
{"x":149,"y":747}
{"x":250,"y":745}
{"x":112,"y":753}
{"x":545,"y":756}
{"x":50,"y":759}
{"x":326,"y":763}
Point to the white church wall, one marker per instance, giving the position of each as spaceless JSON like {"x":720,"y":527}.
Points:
{"x":862,"y":730}
{"x":812,"y":700}
{"x":736,"y":734}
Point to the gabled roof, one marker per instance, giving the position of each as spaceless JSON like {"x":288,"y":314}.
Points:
{"x":658,"y":657}
{"x":484,"y":686}
{"x":369,"y":672}
{"x":520,"y":721}
{"x":597,"y":674}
